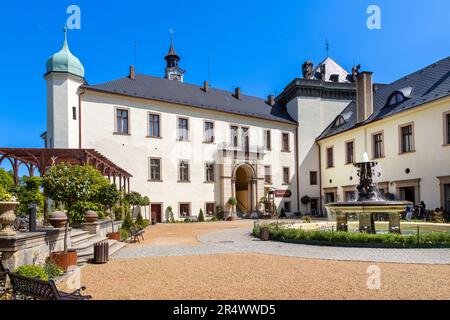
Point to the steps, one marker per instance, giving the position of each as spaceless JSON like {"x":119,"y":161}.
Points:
{"x":83,"y":243}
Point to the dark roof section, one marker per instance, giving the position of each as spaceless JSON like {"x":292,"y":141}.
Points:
{"x":428,"y":84}
{"x":159,"y":89}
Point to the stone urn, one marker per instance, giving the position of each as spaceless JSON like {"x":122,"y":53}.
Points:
{"x":91,"y":216}
{"x":58,"y":219}
{"x":7,"y":218}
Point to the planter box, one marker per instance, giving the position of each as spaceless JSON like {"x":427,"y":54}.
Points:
{"x":65,"y":260}
{"x":114,"y":236}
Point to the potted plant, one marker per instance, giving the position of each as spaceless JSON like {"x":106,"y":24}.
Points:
{"x":70,"y":184}
{"x":109,"y":196}
{"x":8,"y":205}
{"x":232,"y":202}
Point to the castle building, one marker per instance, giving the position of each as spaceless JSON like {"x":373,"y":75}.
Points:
{"x":192,"y":148}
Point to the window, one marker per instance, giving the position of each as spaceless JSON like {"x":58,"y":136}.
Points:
{"x":350,"y":196}
{"x":377,"y":145}
{"x":287,"y":207}
{"x":447,"y":128}
{"x":208,"y":132}
{"x":406,"y":139}
{"x":339,"y":121}
{"x":210,"y":209}
{"x":185,"y":209}
{"x":313,"y":178}
{"x":330,"y":158}
{"x":122,"y":119}
{"x":286,"y":175}
{"x":268,"y":140}
{"x":209,"y":172}
{"x":285,"y":142}
{"x":234,"y":136}
{"x":183,"y":171}
{"x":155,"y":169}
{"x":349,"y":152}
{"x":395,"y":99}
{"x":268,"y":174}
{"x":74,"y":113}
{"x":245,"y":139}
{"x":329,"y":197}
{"x":183,"y":129}
{"x":154,"y":125}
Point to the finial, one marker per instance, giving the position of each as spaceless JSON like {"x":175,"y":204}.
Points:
{"x":66,"y":45}
{"x":327,"y":47}
{"x":172,"y":32}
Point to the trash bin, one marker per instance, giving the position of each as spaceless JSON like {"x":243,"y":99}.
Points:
{"x":265,"y":234}
{"x":101,"y":252}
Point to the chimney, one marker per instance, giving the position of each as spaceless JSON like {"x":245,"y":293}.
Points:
{"x":132,"y":75}
{"x":271,"y":100}
{"x":206,"y":86}
{"x":364,"y":96}
{"x":237,"y":93}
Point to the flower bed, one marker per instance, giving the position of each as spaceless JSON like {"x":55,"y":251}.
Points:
{"x":348,"y":239}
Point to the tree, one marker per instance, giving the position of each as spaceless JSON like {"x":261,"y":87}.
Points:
{"x":30,"y":192}
{"x":6,"y":180}
{"x":145,"y":203}
{"x":134,"y":199}
{"x":69,"y":184}
{"x":306,"y":200}
{"x":201,"y":216}
{"x":109,"y":196}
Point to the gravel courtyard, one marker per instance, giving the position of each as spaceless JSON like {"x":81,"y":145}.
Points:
{"x":197,"y":261}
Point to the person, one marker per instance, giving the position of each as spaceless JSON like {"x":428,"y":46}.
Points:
{"x":409,"y":213}
{"x":423,"y":211}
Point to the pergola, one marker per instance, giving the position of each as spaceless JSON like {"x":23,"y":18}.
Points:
{"x":42,"y":159}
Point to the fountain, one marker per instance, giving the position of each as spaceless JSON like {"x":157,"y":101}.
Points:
{"x":369,"y":203}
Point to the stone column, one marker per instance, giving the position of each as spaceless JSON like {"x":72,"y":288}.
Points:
{"x":233,"y":192}
{"x":394,"y":223}
{"x":254,"y":197}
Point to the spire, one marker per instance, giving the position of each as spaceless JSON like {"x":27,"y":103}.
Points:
{"x":173,"y":72}
{"x":66,"y":44}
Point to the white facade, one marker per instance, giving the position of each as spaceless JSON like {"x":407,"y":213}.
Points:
{"x":425,"y":171}
{"x":314,"y":115}
{"x":133,"y":151}
{"x":62,"y":110}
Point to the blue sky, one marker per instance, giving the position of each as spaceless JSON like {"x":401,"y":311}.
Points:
{"x":257,"y":45}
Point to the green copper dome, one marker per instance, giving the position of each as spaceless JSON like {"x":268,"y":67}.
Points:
{"x":65,"y":61}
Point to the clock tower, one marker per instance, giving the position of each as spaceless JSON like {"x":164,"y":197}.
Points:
{"x":173,"y":71}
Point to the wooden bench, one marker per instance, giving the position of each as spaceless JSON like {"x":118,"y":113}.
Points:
{"x":136,"y":233}
{"x":41,"y":290}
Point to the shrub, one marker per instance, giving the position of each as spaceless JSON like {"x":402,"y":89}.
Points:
{"x":201,"y":216}
{"x":5,"y":196}
{"x":306,"y":200}
{"x":307,"y":219}
{"x":219,"y":213}
{"x":127,"y":222}
{"x":33,"y":272}
{"x":171,"y":216}
{"x":140,"y":220}
{"x":282,"y":213}
{"x":124,"y":234}
{"x":232,"y":201}
{"x":283,"y":234}
{"x":52,"y":270}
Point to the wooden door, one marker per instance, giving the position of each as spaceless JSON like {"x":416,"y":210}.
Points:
{"x":156,"y":212}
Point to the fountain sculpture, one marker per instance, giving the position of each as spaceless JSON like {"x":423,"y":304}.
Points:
{"x":369,"y":203}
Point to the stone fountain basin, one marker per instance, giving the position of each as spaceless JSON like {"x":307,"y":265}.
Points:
{"x":369,"y":206}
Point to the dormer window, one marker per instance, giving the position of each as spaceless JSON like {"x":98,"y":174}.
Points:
{"x":395,"y":99}
{"x":339,"y":121}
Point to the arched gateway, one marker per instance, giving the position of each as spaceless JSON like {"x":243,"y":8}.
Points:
{"x":245,"y":187}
